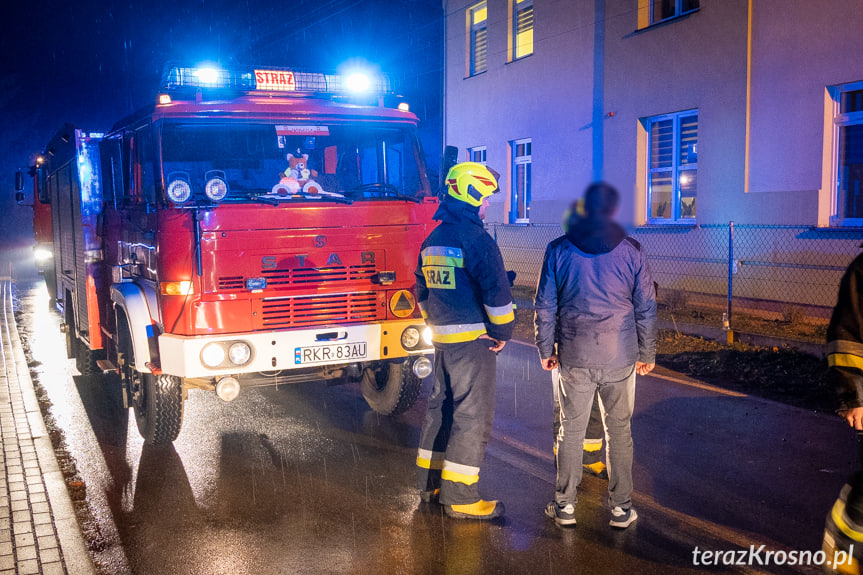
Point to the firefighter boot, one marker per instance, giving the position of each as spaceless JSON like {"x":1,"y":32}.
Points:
{"x":597,"y":469}
{"x":481,"y":510}
{"x":430,"y":496}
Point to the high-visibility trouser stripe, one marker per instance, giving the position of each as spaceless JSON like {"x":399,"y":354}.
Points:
{"x":838,"y":514}
{"x":592,"y":445}
{"x":430,"y":459}
{"x":845,"y":346}
{"x":459,"y":473}
{"x":443,"y":261}
{"x":845,"y":360}
{"x":457,"y":333}
{"x":501,"y":314}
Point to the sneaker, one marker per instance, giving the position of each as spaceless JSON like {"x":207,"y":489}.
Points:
{"x":562,"y":515}
{"x":482,"y":510}
{"x":622,"y":518}
{"x":430,"y":496}
{"x":597,"y":469}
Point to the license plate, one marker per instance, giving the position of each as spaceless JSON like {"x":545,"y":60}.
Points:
{"x":330,"y":352}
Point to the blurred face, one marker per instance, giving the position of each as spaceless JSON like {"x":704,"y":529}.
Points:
{"x":483,"y":207}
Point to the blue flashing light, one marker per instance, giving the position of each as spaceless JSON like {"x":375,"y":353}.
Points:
{"x":178,"y":79}
{"x":357,"y":82}
{"x":208,"y":76}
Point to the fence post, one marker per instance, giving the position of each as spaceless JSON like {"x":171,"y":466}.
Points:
{"x":727,"y":325}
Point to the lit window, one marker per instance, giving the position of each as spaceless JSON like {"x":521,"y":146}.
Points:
{"x":477,"y":19}
{"x":522,"y":31}
{"x":476,"y":154}
{"x":848,"y":160}
{"x":672,"y":167}
{"x":521,"y":161}
{"x":654,"y":11}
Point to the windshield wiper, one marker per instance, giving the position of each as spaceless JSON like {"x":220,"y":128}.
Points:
{"x":387,"y":190}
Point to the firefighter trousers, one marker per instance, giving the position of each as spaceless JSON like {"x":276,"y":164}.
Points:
{"x":458,"y":421}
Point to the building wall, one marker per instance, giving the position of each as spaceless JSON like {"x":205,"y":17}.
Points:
{"x":799,"y":48}
{"x":765,"y":151}
{"x":698,"y":61}
{"x":535,"y":97}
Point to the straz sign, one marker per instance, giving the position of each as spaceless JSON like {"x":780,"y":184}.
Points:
{"x":275,"y":80}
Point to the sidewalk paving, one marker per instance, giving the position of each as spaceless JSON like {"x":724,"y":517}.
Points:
{"x":39,"y":532}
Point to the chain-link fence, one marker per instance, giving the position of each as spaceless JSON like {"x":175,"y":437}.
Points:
{"x":785,"y":273}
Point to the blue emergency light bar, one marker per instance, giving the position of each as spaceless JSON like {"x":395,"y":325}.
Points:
{"x":274,"y":80}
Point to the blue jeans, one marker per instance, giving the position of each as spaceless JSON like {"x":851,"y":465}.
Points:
{"x":576,"y":388}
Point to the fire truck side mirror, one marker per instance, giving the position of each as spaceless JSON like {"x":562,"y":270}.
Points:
{"x":449,"y":159}
{"x":19,"y":197}
{"x":19,"y":182}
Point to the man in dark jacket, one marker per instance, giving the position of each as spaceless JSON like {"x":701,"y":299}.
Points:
{"x":596,"y":322}
{"x":464,"y":295}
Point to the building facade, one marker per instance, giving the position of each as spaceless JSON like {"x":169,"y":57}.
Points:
{"x":701,"y":112}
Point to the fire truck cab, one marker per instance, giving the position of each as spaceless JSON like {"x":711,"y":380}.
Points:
{"x":251,"y":228}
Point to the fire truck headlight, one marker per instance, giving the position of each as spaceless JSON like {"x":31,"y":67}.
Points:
{"x":427,"y":335}
{"x":240,"y":353}
{"x":179,"y":191}
{"x":213,"y":355}
{"x":42,"y":255}
{"x":410,"y":338}
{"x":216,"y":189}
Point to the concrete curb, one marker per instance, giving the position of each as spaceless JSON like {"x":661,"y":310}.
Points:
{"x":71,"y":539}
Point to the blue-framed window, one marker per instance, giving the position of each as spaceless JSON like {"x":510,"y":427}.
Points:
{"x":477,"y":16}
{"x":519,"y":212}
{"x":672,"y":167}
{"x":848,"y":157}
{"x":522,"y":28}
{"x":666,"y":9}
{"x":477,"y":154}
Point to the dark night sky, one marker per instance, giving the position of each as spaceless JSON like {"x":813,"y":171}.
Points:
{"x":91,"y":63}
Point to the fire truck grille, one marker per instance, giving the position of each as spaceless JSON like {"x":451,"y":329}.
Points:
{"x":281,"y":278}
{"x":319,"y":309}
{"x":231,"y":283}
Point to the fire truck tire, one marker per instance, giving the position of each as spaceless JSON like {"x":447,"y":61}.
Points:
{"x":85,"y":360}
{"x":390,"y":388}
{"x":159,"y":411}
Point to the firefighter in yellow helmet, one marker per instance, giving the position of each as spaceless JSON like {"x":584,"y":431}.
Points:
{"x":464,"y":295}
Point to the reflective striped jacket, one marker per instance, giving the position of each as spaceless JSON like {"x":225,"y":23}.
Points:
{"x":462,"y":288}
{"x":845,"y":339}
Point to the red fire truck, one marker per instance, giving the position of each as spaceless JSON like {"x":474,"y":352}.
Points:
{"x":43,"y":250}
{"x":250,"y":228}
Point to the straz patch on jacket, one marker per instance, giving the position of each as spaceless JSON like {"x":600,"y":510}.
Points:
{"x":439,"y":263}
{"x":440,"y":277}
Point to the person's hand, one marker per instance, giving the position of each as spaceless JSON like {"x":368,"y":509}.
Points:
{"x":853,"y":417}
{"x":498,"y":345}
{"x":549,"y":363}
{"x":642,"y":368}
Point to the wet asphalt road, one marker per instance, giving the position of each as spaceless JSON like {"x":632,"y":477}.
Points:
{"x":307,"y":479}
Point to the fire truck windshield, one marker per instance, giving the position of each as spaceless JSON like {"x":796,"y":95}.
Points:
{"x":293,"y":161}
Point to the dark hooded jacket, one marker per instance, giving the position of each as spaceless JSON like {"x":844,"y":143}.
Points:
{"x":596,"y":299}
{"x":462,"y":287}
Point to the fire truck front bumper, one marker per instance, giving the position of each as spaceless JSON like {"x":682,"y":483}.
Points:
{"x":212,"y":356}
